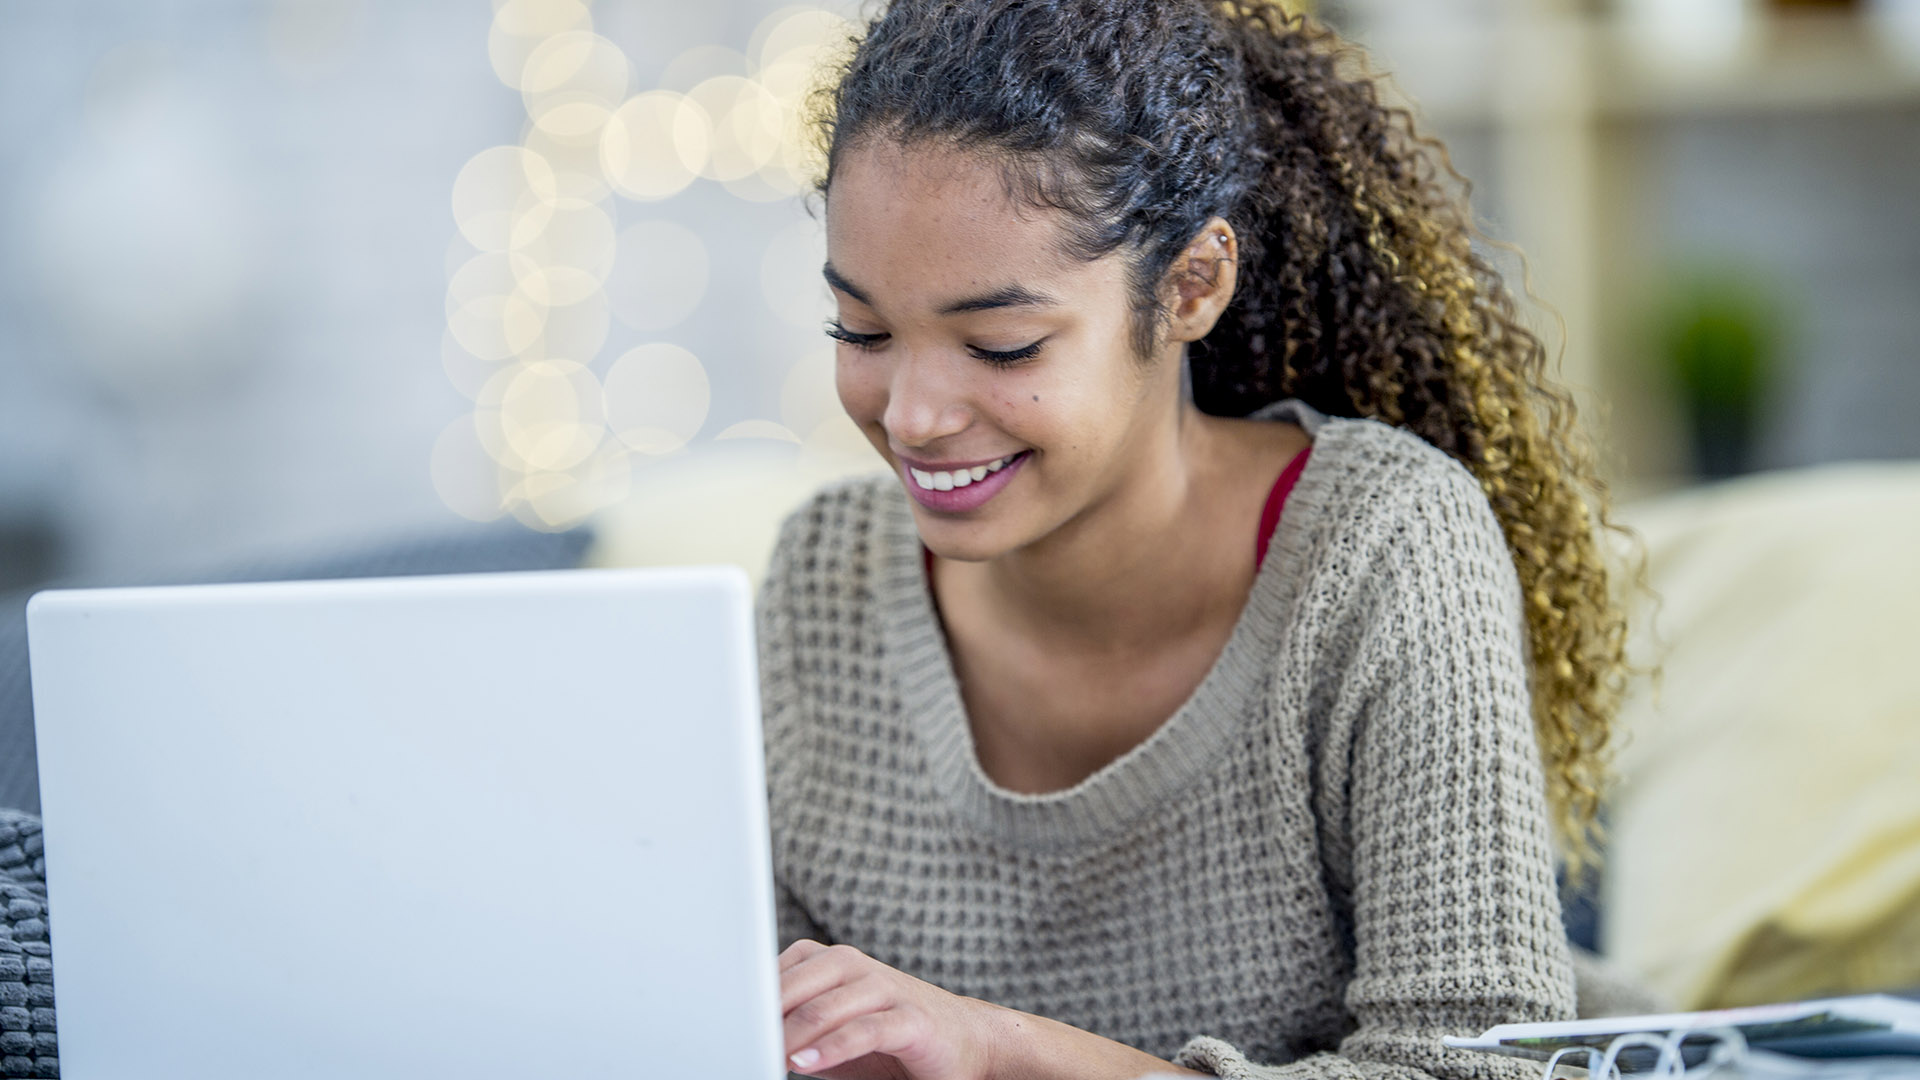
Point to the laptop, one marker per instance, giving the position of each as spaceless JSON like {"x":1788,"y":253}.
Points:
{"x":486,"y":826}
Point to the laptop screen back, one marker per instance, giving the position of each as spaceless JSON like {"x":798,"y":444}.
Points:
{"x":490,"y":826}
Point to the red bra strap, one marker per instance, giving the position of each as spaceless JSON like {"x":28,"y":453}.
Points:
{"x":1270,"y":513}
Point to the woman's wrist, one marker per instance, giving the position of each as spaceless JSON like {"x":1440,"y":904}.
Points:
{"x":1021,"y":1046}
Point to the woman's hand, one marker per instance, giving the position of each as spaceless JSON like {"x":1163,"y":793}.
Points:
{"x":851,"y":1017}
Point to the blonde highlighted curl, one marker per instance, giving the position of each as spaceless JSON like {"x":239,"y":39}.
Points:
{"x":1360,"y":290}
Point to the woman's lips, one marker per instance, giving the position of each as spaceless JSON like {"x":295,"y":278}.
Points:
{"x":959,"y":499}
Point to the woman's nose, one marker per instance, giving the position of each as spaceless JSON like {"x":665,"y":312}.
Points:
{"x":925,"y":402}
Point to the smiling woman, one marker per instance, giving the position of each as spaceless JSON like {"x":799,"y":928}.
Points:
{"x":1010,"y":349}
{"x":1202,"y":689}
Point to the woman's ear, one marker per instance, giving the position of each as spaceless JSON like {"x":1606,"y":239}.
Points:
{"x":1200,"y":283}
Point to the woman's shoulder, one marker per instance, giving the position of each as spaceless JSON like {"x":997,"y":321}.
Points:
{"x":1385,"y":491}
{"x":1393,"y":463}
{"x":1378,"y":499}
{"x":1388,"y":465}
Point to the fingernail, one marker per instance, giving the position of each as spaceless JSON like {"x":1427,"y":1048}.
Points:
{"x":805,"y":1059}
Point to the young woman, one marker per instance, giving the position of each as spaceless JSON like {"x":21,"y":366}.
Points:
{"x":1202,"y":690}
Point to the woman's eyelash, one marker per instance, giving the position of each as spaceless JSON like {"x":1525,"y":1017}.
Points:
{"x":859,"y":341}
{"x":838,"y":332}
{"x":1008,"y":359}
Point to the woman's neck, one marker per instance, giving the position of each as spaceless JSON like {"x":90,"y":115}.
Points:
{"x":1141,"y":563}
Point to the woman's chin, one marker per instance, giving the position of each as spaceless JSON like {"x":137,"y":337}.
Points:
{"x":963,"y":541}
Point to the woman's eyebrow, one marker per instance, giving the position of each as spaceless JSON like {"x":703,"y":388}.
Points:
{"x":836,"y":281}
{"x":1006,"y":296}
{"x":1009,"y":296}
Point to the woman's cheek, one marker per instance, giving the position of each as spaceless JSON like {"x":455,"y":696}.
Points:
{"x":862,"y":389}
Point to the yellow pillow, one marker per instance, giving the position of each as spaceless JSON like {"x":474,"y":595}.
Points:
{"x":1766,"y":834}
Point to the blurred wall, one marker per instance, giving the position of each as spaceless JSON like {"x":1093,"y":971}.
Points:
{"x":1823,"y":205}
{"x":228,"y":234}
{"x":1650,"y":155}
{"x":219,"y":305}
{"x":236,"y":294}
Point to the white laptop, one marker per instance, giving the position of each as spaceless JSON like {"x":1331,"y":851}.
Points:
{"x":487,"y":826}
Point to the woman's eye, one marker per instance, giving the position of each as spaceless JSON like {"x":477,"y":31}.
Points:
{"x":859,"y":341}
{"x":1010,"y":358}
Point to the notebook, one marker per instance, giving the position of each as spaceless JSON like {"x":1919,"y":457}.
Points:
{"x":1867,"y":1026}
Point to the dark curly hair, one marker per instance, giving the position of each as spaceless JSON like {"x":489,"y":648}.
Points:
{"x":1359,"y":289}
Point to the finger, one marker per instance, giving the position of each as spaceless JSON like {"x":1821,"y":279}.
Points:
{"x":799,"y":951}
{"x":821,"y":971}
{"x":807,"y":1022}
{"x":890,"y":1032}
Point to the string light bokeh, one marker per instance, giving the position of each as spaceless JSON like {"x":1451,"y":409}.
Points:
{"x":560,"y":234}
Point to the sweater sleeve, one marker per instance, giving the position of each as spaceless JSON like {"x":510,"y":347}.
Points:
{"x":1443,"y":847}
{"x":780,"y":712}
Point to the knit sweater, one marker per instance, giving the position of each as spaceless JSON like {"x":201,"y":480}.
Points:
{"x":1332,"y":854}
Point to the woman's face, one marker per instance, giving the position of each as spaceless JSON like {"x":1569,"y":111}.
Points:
{"x":992,"y":369}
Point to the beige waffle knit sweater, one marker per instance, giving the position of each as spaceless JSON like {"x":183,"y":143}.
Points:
{"x":1335,"y":852}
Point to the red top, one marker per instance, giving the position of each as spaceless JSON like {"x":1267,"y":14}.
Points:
{"x":1269,"y":514}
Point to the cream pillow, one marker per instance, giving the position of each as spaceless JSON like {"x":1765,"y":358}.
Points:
{"x":1766,"y":835}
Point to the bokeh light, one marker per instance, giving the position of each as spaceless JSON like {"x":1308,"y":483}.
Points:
{"x":747,"y":125}
{"x":577,"y":176}
{"x":543,"y":265}
{"x":488,"y":311}
{"x":521,"y":26}
{"x":655,"y":144}
{"x":551,"y":501}
{"x":575,"y":332}
{"x":797,"y":50}
{"x":502,"y":197}
{"x":659,"y":275}
{"x":657,"y":398}
{"x":571,"y":84}
{"x":540,"y":416}
{"x":811,"y":34}
{"x":569,"y":259}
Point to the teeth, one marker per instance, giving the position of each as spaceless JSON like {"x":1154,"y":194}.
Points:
{"x":959,"y":478}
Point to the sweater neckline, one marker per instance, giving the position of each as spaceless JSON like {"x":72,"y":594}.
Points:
{"x":1154,"y":774}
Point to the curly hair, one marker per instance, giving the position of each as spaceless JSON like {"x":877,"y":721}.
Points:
{"x":1359,"y":289}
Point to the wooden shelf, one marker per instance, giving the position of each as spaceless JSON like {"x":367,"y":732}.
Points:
{"x":1800,"y":62}
{"x":1609,"y":69}
{"x":1558,"y":98}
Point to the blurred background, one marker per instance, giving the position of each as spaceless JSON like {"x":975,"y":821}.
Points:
{"x":299,"y":288}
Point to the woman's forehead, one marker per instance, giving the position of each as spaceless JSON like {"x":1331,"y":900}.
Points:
{"x":918,"y":224}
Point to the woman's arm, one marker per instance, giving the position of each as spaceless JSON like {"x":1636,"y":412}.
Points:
{"x":779,"y":712}
{"x":850,"y":1017}
{"x":1442,"y":814}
